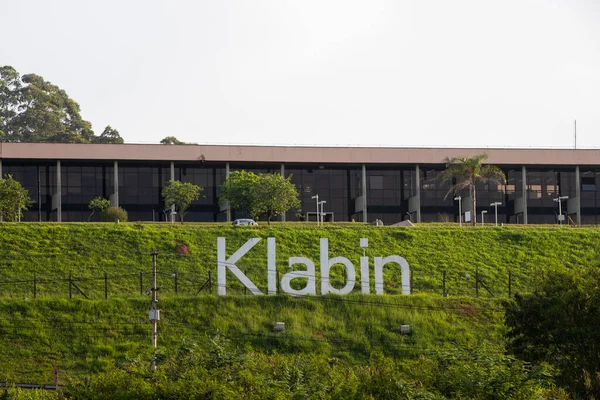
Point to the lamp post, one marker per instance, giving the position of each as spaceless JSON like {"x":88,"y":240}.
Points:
{"x":316,"y":197}
{"x":459,"y":209}
{"x":559,"y":200}
{"x":483,"y":212}
{"x":495,"y":205}
{"x":322,"y":210}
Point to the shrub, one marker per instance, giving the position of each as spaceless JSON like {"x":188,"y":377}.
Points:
{"x":113,"y":214}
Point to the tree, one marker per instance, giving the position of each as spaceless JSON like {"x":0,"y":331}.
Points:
{"x":14,"y":199}
{"x":171,"y":140}
{"x":238,"y":192}
{"x":468,"y":172}
{"x":274,"y":195}
{"x":34,"y":110}
{"x":252,"y":194}
{"x":558,"y":324}
{"x":108,"y":136}
{"x":180,"y":194}
{"x":98,"y":204}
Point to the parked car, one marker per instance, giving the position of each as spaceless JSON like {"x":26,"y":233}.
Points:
{"x":244,"y":221}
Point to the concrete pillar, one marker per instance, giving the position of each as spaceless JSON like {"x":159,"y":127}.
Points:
{"x":578,"y":194}
{"x":228,"y":207}
{"x":418,"y":191}
{"x":58,"y":193}
{"x":115,"y":197}
{"x":172,"y":178}
{"x":524,"y":186}
{"x":364,"y":193}
{"x":283,"y":175}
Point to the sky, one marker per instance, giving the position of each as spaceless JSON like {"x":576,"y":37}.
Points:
{"x":435,"y":73}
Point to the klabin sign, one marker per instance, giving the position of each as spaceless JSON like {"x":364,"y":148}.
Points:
{"x":224,"y":264}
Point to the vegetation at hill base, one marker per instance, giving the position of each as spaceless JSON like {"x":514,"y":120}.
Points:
{"x":211,"y":346}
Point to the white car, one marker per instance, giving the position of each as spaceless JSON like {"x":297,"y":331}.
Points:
{"x":245,"y":221}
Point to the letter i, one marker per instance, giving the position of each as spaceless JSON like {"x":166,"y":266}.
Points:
{"x":364,"y":268}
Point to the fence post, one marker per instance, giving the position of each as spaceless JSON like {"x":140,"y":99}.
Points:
{"x":175,"y":278}
{"x":141,"y":284}
{"x":444,"y":293}
{"x":245,"y":273}
{"x":70,"y":286}
{"x":105,"y":286}
{"x":34,"y":285}
{"x":476,"y":281}
{"x":509,"y":283}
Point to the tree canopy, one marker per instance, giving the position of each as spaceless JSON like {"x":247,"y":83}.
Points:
{"x":171,"y":140}
{"x":468,"y":172}
{"x":262,"y":194}
{"x":34,"y":110}
{"x":14,"y":199}
{"x":181,"y":195}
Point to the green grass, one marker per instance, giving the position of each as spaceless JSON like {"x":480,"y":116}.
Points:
{"x":90,"y":337}
{"x":86,"y":252}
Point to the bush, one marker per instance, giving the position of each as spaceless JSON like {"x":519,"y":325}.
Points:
{"x":113,"y":214}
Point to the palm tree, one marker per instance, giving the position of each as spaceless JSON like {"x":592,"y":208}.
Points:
{"x":468,"y":172}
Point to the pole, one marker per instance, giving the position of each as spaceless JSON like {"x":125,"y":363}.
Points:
{"x":154,"y":311}
{"x":141,"y":283}
{"x":560,"y":212}
{"x":209,"y":283}
{"x":70,"y":287}
{"x":55,"y":375}
{"x":496,"y":213}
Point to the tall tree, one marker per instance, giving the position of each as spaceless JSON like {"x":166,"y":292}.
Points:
{"x":468,"y":172}
{"x":274,"y":195}
{"x":34,"y":110}
{"x":108,"y":136}
{"x":14,"y":199}
{"x":238,"y":192}
{"x":558,"y":324}
{"x":181,"y":195}
{"x":252,"y":194}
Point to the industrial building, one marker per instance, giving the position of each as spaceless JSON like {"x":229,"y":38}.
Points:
{"x":356,"y":183}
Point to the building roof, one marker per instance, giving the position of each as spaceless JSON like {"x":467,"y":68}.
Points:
{"x":291,"y":154}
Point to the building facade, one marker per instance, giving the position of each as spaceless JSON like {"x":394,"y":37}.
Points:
{"x":357,"y":183}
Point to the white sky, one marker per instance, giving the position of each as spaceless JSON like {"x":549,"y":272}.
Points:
{"x":391,"y":73}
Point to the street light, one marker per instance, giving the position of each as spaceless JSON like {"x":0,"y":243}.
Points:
{"x":322,"y":210}
{"x":559,"y":200}
{"x":317,"y":199}
{"x":483,"y":212}
{"x":459,"y":209}
{"x":495,"y":205}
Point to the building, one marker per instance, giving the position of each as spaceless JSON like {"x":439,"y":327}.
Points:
{"x":357,"y":183}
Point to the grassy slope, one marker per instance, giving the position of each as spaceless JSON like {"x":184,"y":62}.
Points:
{"x":87,"y":336}
{"x":53,"y":251}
